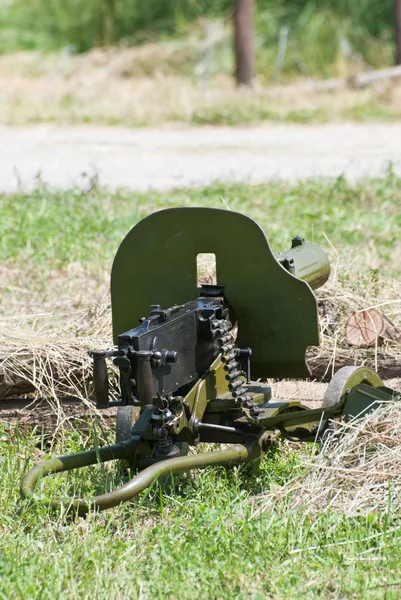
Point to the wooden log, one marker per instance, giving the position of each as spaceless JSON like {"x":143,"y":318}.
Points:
{"x":43,"y":415}
{"x":18,"y":386}
{"x":358,"y":81}
{"x":321,"y":364}
{"x":33,"y":378}
{"x":319,"y":360}
{"x":46,"y":414}
{"x":364,"y":79}
{"x":71,"y":412}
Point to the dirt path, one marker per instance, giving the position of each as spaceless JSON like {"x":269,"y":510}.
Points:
{"x":166,"y":158}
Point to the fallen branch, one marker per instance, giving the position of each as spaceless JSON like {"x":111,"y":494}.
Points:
{"x":359,"y":81}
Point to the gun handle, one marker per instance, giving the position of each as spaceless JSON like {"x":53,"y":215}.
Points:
{"x":100,"y":379}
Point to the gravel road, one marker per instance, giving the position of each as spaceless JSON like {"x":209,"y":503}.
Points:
{"x":166,"y":158}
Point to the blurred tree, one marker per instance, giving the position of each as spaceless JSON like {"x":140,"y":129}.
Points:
{"x":397,"y":16}
{"x":109,"y":22}
{"x":316,"y":29}
{"x":244,"y":41}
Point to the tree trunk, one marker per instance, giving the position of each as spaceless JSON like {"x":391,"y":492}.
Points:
{"x":244,"y":41}
{"x":109,"y":25}
{"x":397,"y":17}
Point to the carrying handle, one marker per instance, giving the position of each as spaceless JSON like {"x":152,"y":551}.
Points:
{"x":100,"y":378}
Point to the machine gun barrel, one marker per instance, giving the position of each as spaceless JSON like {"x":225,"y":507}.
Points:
{"x":307,"y":262}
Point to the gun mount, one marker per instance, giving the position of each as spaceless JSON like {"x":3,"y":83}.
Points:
{"x":194,"y":369}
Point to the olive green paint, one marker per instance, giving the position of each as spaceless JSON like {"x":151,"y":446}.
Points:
{"x":156,"y":264}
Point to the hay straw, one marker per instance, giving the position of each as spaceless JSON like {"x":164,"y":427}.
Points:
{"x":336,"y":303}
{"x":48,"y":360}
{"x":357,"y":471}
{"x":47,"y":355}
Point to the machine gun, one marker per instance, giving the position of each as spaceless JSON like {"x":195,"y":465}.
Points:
{"x":194,"y":369}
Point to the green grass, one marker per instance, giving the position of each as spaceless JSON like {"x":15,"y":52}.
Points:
{"x":69,"y":238}
{"x":51,"y":230}
{"x":188,"y":537}
{"x":255,"y":110}
{"x":251,"y":112}
{"x":200,"y":536}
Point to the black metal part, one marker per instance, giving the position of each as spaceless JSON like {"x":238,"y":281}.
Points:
{"x":167,"y":449}
{"x":100,"y":376}
{"x":182,"y":331}
{"x":225,"y":434}
{"x":245,"y":354}
{"x":148,"y":356}
{"x":144,"y":379}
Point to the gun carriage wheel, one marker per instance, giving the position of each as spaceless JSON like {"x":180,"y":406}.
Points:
{"x":344,"y":380}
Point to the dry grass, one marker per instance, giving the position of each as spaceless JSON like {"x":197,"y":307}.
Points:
{"x":125,"y":87}
{"x":51,"y":360}
{"x":357,"y":471}
{"x":47,"y":355}
{"x":338,"y":301}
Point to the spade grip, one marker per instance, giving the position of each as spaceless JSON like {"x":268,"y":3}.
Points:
{"x":100,"y":378}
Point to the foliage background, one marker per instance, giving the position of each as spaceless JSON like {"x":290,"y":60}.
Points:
{"x":363,"y":28}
